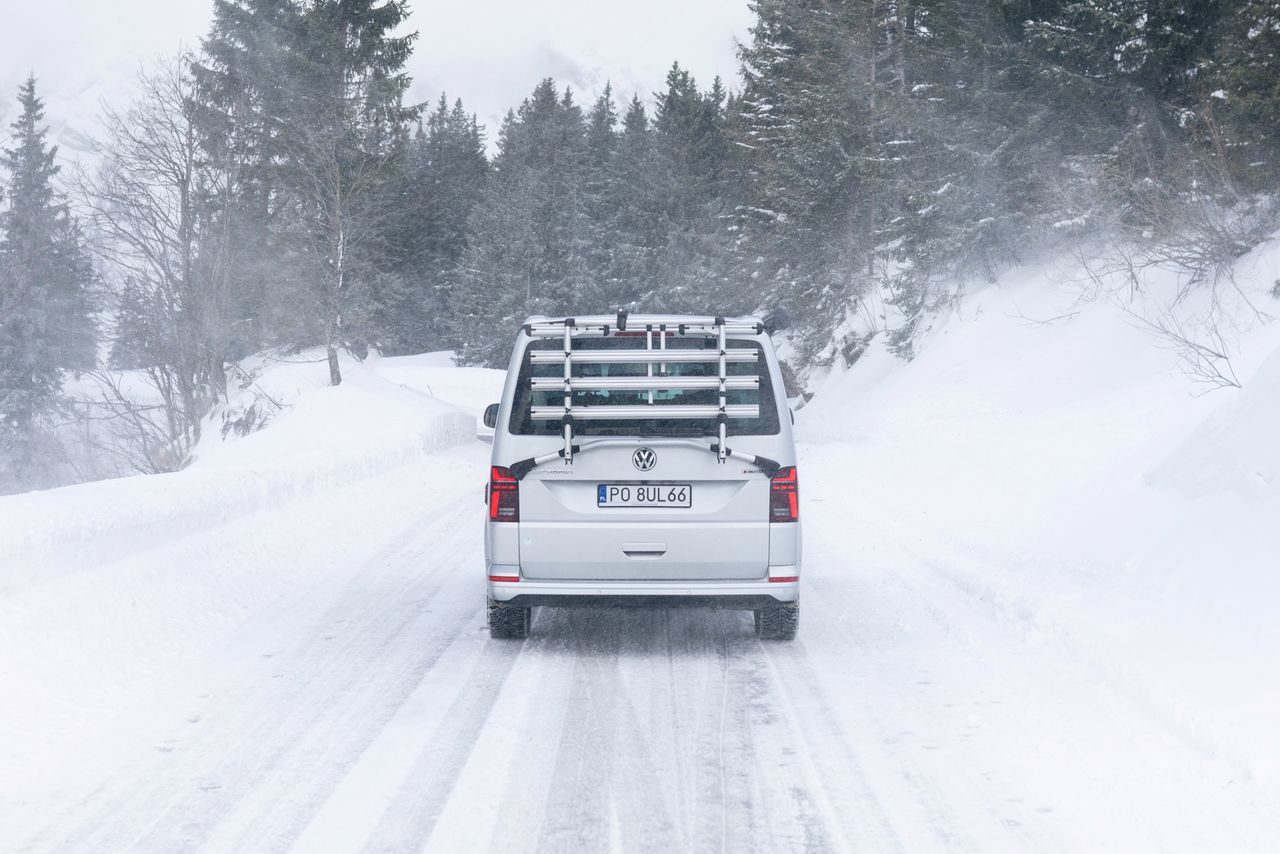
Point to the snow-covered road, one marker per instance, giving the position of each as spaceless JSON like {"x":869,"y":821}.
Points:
{"x":330,"y":686}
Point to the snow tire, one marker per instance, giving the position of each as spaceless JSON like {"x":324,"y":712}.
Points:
{"x":778,"y":622}
{"x":507,"y":622}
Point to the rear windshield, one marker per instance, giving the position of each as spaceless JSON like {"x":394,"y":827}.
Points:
{"x":525,"y":398}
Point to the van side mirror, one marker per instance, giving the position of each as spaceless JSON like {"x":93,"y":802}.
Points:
{"x":491,"y":415}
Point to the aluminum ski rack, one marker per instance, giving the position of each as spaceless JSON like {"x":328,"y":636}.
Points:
{"x":670,"y":412}
{"x":641,"y":357}
{"x":663,"y":326}
{"x":644,"y":383}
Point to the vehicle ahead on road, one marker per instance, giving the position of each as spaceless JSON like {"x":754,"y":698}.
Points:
{"x":643,"y":460}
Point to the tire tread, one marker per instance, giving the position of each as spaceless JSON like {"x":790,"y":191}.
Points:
{"x":507,"y":622}
{"x":778,"y":622}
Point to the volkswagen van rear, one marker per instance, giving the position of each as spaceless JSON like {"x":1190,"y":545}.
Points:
{"x":643,"y":460}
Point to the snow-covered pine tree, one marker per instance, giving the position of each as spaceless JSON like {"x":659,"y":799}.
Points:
{"x":46,"y":325}
{"x":635,"y":219}
{"x":599,"y":198}
{"x":923,"y":143}
{"x":1119,"y":77}
{"x":1239,"y":94}
{"x":693,"y":162}
{"x":810,"y":126}
{"x":441,"y":180}
{"x":240,"y":99}
{"x":492,"y":285}
{"x":974,"y":160}
{"x":530,"y":231}
{"x":341,"y":126}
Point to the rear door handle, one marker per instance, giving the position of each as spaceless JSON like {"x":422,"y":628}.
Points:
{"x":644,"y":551}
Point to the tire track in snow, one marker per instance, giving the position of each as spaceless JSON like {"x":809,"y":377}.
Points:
{"x":412,"y":814}
{"x":276,"y":722}
{"x":647,"y":730}
{"x":1049,"y":747}
{"x":962,"y":722}
{"x":179,"y":817}
{"x":602,"y":747}
{"x":914,"y":786}
{"x":441,"y":610}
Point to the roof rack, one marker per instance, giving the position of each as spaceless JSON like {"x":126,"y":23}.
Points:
{"x":647,"y":325}
{"x":625,"y":322}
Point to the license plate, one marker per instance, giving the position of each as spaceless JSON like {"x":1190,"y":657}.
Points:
{"x":644,"y":495}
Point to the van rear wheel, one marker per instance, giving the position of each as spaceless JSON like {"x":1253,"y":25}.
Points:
{"x":507,"y":622}
{"x":778,"y":622}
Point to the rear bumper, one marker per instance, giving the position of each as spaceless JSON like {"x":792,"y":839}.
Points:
{"x":737,"y":595}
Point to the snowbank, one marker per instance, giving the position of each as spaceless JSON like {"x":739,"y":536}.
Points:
{"x":1237,"y":449}
{"x":435,"y":374}
{"x":1050,"y":458}
{"x":317,"y":438}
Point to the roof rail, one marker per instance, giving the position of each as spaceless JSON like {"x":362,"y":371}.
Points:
{"x":677,"y":324}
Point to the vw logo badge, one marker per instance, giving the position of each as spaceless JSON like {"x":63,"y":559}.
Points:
{"x":644,"y":459}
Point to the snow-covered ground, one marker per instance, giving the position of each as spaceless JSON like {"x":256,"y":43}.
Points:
{"x":1038,"y":589}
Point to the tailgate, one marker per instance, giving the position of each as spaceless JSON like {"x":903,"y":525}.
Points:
{"x":723,"y":534}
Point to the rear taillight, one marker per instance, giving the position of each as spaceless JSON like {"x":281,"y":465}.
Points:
{"x":784,"y":496}
{"x":504,"y":495}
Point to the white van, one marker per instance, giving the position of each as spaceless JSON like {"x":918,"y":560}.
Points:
{"x":643,"y":460}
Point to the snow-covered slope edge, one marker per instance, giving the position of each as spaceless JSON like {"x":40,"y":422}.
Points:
{"x":1049,"y":458}
{"x":323,"y":437}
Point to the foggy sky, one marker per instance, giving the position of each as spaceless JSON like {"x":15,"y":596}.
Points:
{"x":488,"y":52}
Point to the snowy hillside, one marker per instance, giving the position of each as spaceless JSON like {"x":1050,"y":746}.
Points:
{"x":324,"y":437}
{"x":1037,"y":590}
{"x":1051,"y":459}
